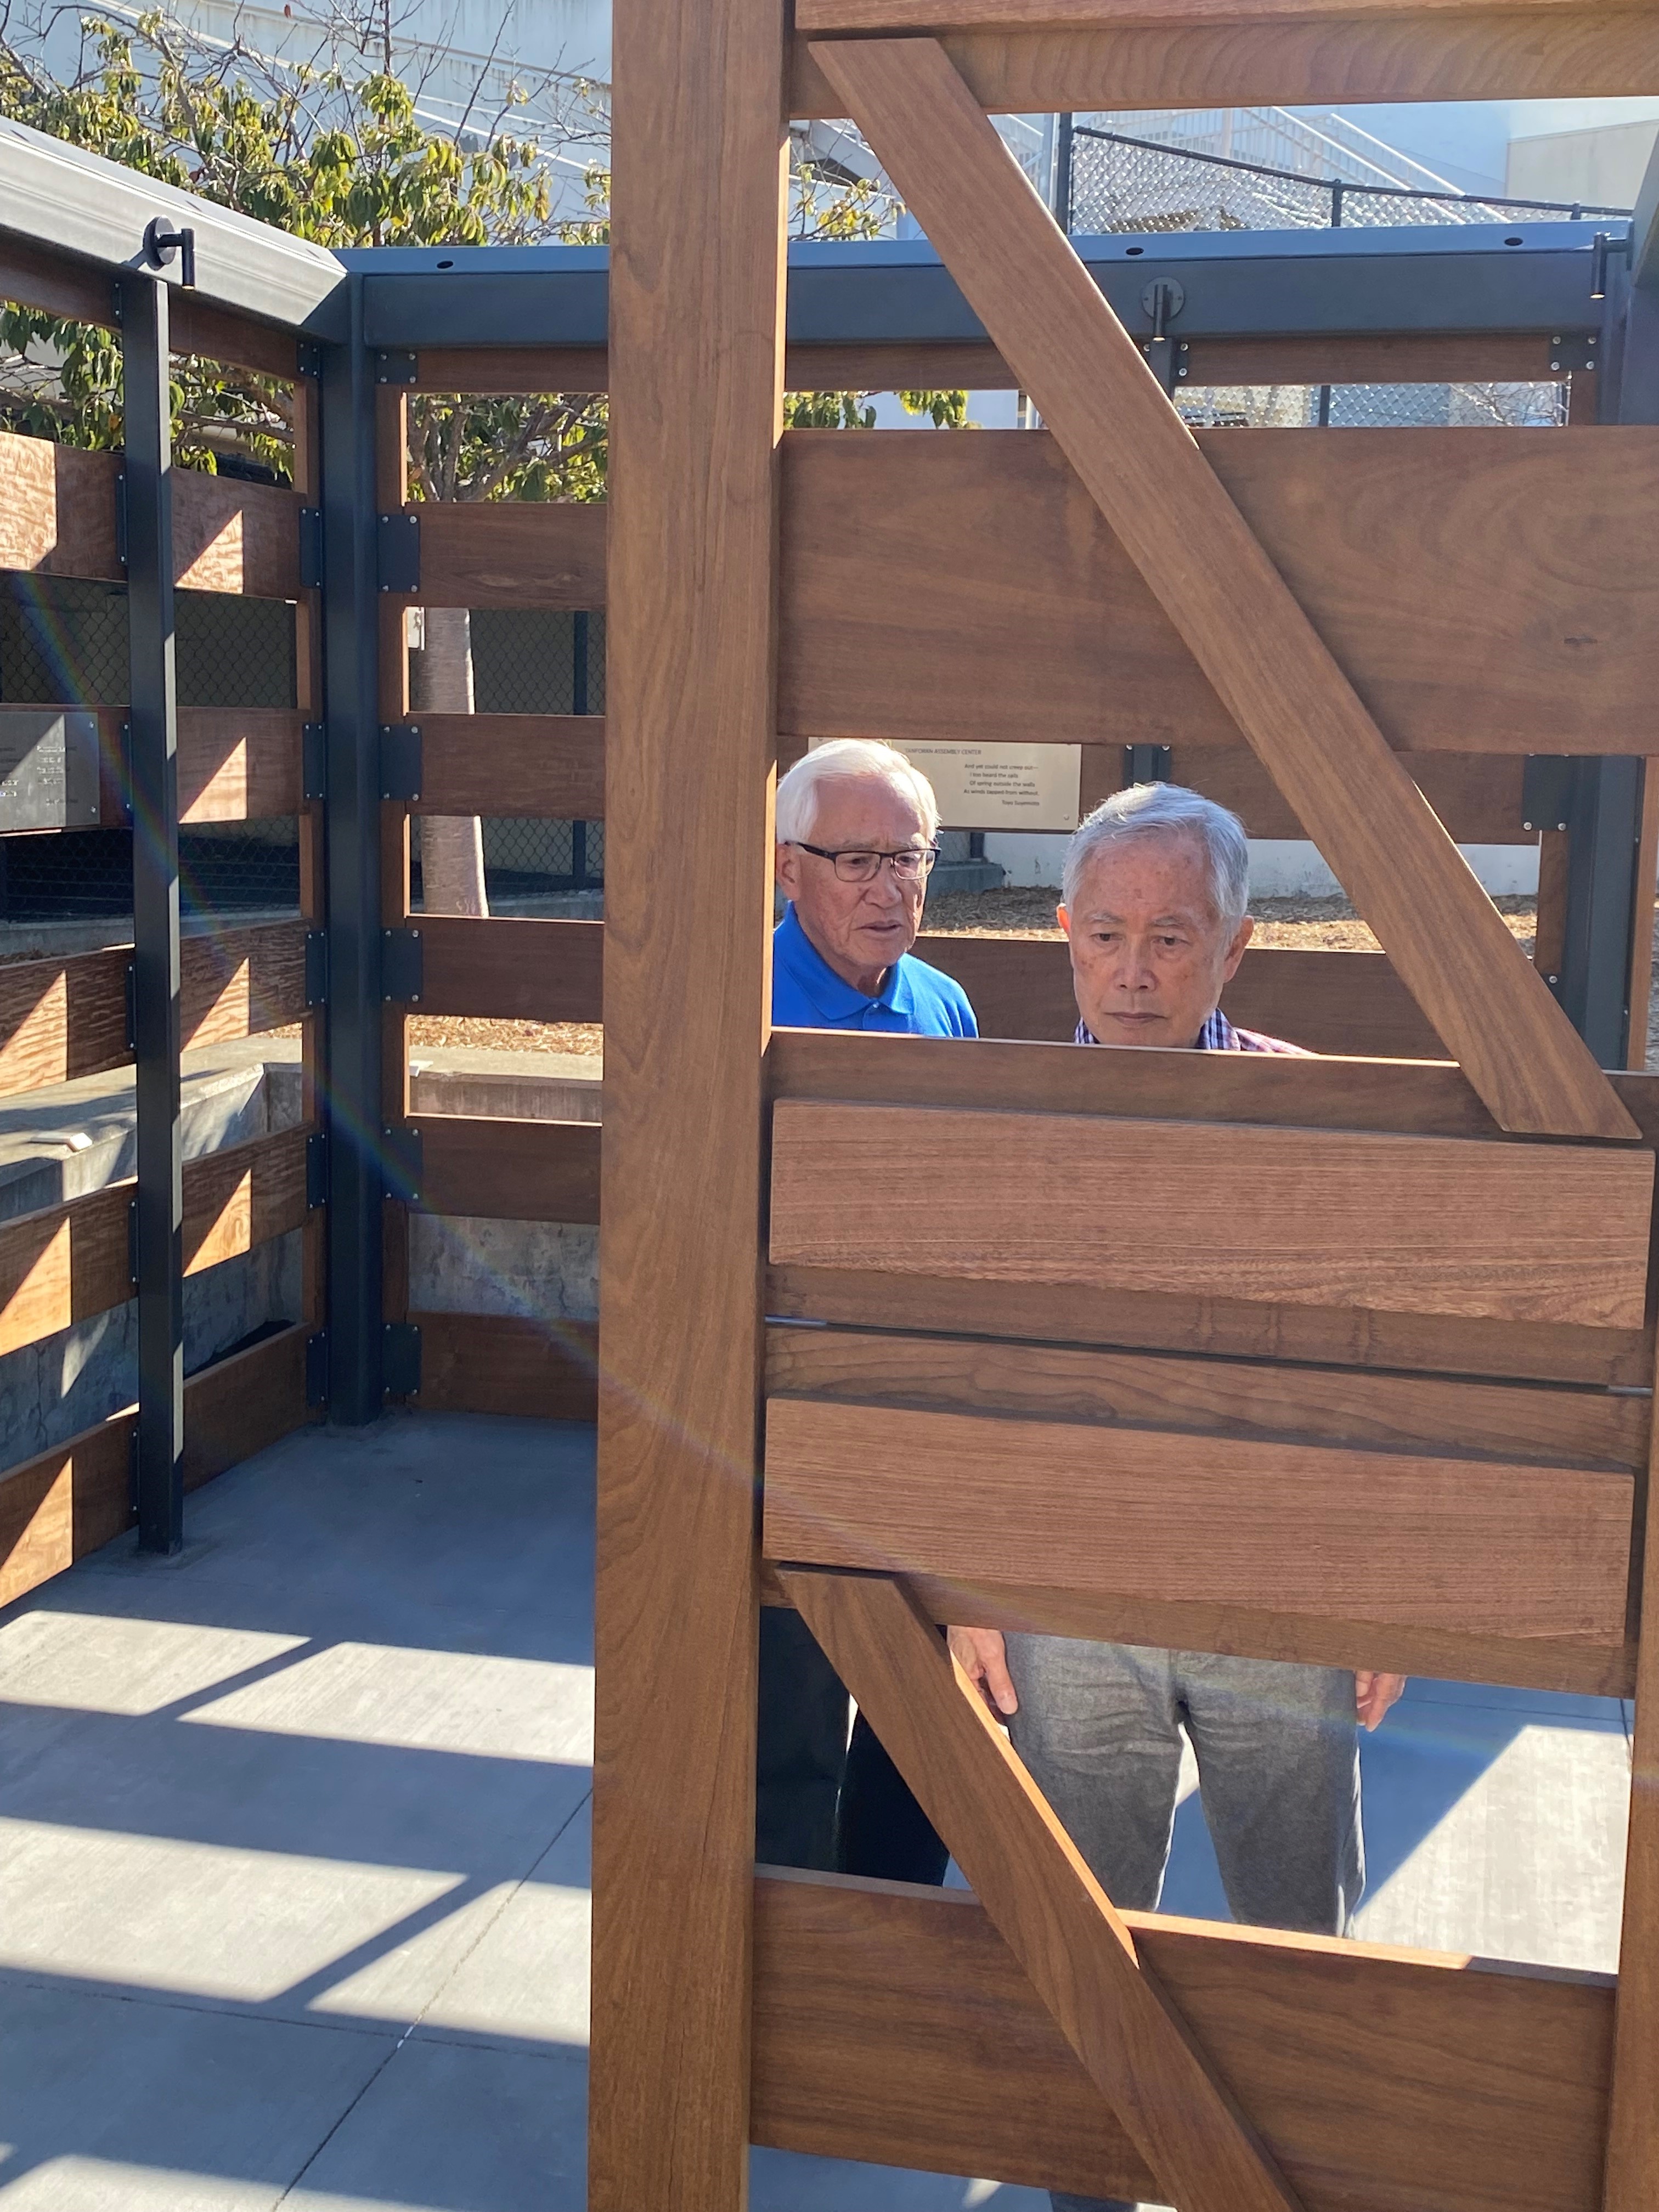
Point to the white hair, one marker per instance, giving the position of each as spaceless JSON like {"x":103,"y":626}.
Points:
{"x":1148,"y":808}
{"x":846,"y":759}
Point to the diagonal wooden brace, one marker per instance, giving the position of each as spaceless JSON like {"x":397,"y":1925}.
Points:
{"x":1055,"y":1918}
{"x":1208,"y":570}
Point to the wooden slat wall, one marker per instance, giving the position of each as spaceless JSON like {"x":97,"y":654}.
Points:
{"x":75,"y":1499}
{"x":498,"y":1169}
{"x":894,"y":2026}
{"x":511,"y":971}
{"x":510,"y":553}
{"x":63,"y":1019}
{"x":508,"y":1363}
{"x":1479,"y":594}
{"x":1298,"y":1217}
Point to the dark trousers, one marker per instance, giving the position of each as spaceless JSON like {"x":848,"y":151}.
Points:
{"x":819,"y":1800}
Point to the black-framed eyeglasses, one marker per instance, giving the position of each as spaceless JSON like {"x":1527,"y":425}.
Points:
{"x":854,"y":866}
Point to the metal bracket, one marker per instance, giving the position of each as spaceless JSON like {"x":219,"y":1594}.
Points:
{"x":403,"y":1158}
{"x":131,"y":982}
{"x":311,"y":548}
{"x":1163,"y":300}
{"x":309,"y":357}
{"x":317,"y":1368}
{"x":400,"y":1359}
{"x":126,"y":773}
{"x":1146,"y":765}
{"x":132,"y":1474}
{"x":313,"y":761}
{"x":316,"y":1169}
{"x":402,"y":966}
{"x":400,"y":759}
{"x":121,"y":521}
{"x":1571,"y":349}
{"x":132,"y":1241}
{"x":398,"y":545}
{"x":1546,"y":791}
{"x":395,"y":369}
{"x":316,"y":968}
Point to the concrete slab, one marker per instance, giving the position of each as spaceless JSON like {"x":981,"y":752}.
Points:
{"x":293,"y":1846}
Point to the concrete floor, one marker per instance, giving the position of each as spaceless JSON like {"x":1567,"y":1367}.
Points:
{"x":293,"y":1846}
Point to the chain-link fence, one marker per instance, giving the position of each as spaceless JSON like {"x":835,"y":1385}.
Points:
{"x":535,"y":660}
{"x":63,"y":642}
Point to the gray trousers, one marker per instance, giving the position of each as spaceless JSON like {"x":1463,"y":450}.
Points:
{"x":1278,"y":1749}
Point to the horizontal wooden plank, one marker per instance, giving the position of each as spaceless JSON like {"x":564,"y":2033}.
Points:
{"x":1264,"y":1400}
{"x":1393,"y":357}
{"x":69,"y":1262}
{"x":34,"y":276}
{"x":1219,"y":1327}
{"x":238,"y":764}
{"x":879,"y":17}
{"x":1480,"y":595}
{"x":1297,"y":1217}
{"x":57,"y":519}
{"x":508,"y":970}
{"x":512,"y":764}
{"x":510,"y":553}
{"x":60,"y":1020}
{"x":197,"y":326}
{"x":893,"y":2024}
{"x":76,"y":1498}
{"x":1462,"y":1544}
{"x":508,"y":1364}
{"x":1329,"y":1001}
{"x":1587,"y":51}
{"x":498,"y":1169}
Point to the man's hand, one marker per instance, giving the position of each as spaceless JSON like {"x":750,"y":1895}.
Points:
{"x":1373,"y":1694}
{"x":980,"y":1654}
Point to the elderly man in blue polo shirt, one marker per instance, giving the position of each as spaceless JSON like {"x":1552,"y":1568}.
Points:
{"x":1156,"y":887}
{"x":856,"y":826}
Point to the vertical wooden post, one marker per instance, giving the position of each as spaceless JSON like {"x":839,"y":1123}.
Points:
{"x":1632,"y":2168}
{"x":697,"y":349}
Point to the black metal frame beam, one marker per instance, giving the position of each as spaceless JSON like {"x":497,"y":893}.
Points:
{"x":1439,"y":278}
{"x":154,"y":748}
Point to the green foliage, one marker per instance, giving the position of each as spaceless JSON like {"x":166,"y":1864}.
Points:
{"x":334,"y":151}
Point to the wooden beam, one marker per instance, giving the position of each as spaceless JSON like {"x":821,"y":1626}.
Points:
{"x":510,"y":553}
{"x":1458,"y":576}
{"x":216,"y":334}
{"x":492,"y":1169}
{"x":543,"y":1370}
{"x":1633,"y":2122}
{"x":878,"y":18}
{"x":1331,"y":60}
{"x":34,"y":276}
{"x":697,"y":308}
{"x":1075,"y":1946}
{"x":894,"y":2024}
{"x":1212,"y":577}
{"x":512,"y":369}
{"x":511,"y":971}
{"x":238,"y":764}
{"x":1296,"y":1217}
{"x":239,"y":1406}
{"x":1328,"y":1001}
{"x":1481,"y":1546}
{"x":527,"y":764}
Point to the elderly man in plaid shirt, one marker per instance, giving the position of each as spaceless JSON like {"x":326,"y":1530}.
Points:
{"x":1154,"y":904}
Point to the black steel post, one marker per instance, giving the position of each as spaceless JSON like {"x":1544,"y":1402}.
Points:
{"x":153,"y":717}
{"x":1603,"y":833}
{"x":351,"y":1088}
{"x":1065,"y":155}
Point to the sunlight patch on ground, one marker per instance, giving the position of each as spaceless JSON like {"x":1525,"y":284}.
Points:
{"x":103,"y":1663}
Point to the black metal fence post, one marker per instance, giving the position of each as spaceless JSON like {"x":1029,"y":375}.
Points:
{"x":1064,"y":153}
{"x":353,"y":1016}
{"x":153,"y":713}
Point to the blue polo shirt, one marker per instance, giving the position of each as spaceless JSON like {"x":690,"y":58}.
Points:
{"x":915,"y":999}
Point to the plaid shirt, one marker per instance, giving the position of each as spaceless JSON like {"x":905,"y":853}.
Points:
{"x":1218,"y":1034}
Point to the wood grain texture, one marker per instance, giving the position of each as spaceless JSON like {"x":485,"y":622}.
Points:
{"x":1218,"y":1327}
{"x":697,"y":310}
{"x":510,"y":553}
{"x":1479,"y":1546}
{"x":241,"y":982}
{"x":63,"y":1505}
{"x":514,"y":765}
{"x":885,"y":17}
{"x":512,"y":368}
{"x":1297,"y":1217}
{"x":197,"y":326}
{"x":1074,"y":1946}
{"x":34,"y":276}
{"x":1217,"y":584}
{"x":1633,"y":2122}
{"x":239,"y":1406}
{"x":1239,"y":1398}
{"x":1458,"y":577}
{"x":238,"y":764}
{"x":243,"y":1196}
{"x":497,"y":1169}
{"x":1608,"y":51}
{"x":1330,"y":1002}
{"x":894,"y":2025}
{"x":508,"y":1364}
{"x":231,"y":536}
{"x":507,"y":970}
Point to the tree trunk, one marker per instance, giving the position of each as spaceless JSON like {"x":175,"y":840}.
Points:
{"x":452,"y":845}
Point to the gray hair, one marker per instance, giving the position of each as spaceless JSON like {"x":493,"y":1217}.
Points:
{"x":1146,"y":808}
{"x":846,"y":759}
